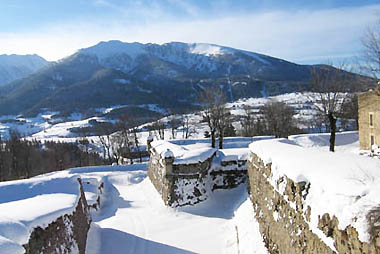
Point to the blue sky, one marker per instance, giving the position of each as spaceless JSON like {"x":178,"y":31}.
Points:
{"x":298,"y":31}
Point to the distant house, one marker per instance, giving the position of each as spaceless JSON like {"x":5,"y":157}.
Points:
{"x":369,"y":119}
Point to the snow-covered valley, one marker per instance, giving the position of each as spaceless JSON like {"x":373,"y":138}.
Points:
{"x":49,"y":126}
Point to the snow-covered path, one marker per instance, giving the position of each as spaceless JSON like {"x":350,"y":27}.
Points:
{"x":134,"y":219}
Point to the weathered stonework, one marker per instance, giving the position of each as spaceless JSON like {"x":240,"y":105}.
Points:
{"x":284,"y":220}
{"x":188,"y":184}
{"x":228,"y":179}
{"x":65,"y":235}
{"x":178,"y":184}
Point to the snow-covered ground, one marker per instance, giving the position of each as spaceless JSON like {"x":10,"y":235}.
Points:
{"x":132,"y":218}
{"x":143,"y":224}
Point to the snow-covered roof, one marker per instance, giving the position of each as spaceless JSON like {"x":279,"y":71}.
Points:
{"x":346,"y":185}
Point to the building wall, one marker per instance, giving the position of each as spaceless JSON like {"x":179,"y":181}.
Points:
{"x":284,"y":221}
{"x":369,"y":103}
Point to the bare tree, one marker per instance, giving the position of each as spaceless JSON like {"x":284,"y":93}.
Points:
{"x":279,"y":119}
{"x":370,"y":61}
{"x":331,"y":84}
{"x":224,"y":121}
{"x":119,"y":147}
{"x":135,"y":134}
{"x":134,"y":137}
{"x":214,"y":112}
{"x":158,"y":128}
{"x":188,"y":126}
{"x":174,"y":123}
{"x":125,"y":140}
{"x":104,"y":140}
{"x":247,"y":122}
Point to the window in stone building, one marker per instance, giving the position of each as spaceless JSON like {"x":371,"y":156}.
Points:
{"x":372,"y":137}
{"x":371,"y":120}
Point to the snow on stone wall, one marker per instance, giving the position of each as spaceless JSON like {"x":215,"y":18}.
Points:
{"x":313,"y":201}
{"x":189,"y":176}
{"x":67,"y":234}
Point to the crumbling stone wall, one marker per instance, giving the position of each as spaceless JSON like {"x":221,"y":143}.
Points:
{"x":65,"y":235}
{"x":188,"y":184}
{"x":284,"y":220}
{"x":178,"y":184}
{"x":228,"y":179}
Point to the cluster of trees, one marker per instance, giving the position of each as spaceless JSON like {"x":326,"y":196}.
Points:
{"x":20,"y":158}
{"x":180,"y":125}
{"x":123,"y":143}
{"x":274,"y":118}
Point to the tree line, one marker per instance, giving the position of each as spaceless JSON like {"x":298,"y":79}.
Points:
{"x":21,"y":158}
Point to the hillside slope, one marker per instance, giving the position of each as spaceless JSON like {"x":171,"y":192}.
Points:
{"x":170,"y":75}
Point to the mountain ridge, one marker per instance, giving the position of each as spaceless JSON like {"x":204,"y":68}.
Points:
{"x":170,"y":75}
{"x":15,"y":66}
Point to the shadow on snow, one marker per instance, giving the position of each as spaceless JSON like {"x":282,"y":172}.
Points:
{"x":118,"y":242}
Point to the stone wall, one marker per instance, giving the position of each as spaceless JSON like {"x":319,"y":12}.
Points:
{"x":67,"y":234}
{"x":369,"y":103}
{"x":188,"y":184}
{"x":229,"y":174}
{"x":178,"y":184}
{"x":284,"y":221}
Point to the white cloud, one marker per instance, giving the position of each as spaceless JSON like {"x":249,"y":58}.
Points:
{"x":300,"y":36}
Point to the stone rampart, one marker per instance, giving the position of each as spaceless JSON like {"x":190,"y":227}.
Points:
{"x":178,"y":184}
{"x":188,"y":184}
{"x":284,"y":221}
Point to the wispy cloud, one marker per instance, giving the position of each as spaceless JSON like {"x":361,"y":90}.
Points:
{"x":302,"y":36}
{"x":189,"y":8}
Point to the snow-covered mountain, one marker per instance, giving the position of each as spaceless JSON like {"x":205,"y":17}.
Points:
{"x":170,"y":76}
{"x":199,"y":58}
{"x":14,"y":67}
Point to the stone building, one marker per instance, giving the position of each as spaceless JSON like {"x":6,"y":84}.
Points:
{"x":369,"y":119}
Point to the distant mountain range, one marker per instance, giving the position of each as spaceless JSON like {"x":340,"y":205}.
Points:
{"x":168,"y":76}
{"x":14,"y":67}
